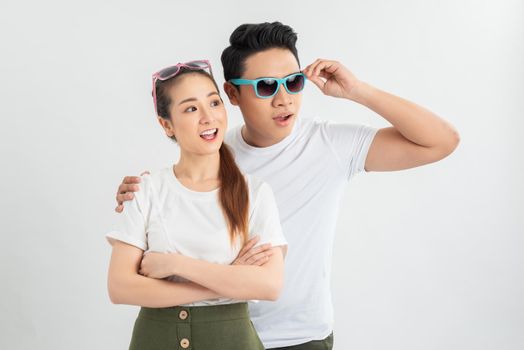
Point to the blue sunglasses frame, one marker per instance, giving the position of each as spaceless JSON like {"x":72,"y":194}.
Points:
{"x":281,"y":81}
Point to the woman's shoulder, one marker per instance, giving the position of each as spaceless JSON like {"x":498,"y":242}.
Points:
{"x":160,"y":175}
{"x":153,"y":181}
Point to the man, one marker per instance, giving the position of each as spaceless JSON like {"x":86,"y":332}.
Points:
{"x":308,"y":163}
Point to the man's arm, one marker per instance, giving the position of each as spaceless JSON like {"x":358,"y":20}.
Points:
{"x":127,"y":286}
{"x":417,"y":135}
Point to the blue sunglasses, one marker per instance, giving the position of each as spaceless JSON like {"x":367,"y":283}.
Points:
{"x":268,"y":87}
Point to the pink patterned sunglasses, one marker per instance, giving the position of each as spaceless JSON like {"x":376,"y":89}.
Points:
{"x":171,"y":71}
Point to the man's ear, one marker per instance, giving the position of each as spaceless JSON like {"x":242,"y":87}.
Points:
{"x":232,"y":93}
{"x":167,"y":125}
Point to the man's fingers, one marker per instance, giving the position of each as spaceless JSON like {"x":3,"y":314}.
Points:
{"x":309,"y":68}
{"x":325,"y":75}
{"x":123,"y":197}
{"x":329,"y":67}
{"x":318,"y":67}
{"x":313,"y":66}
{"x":318,"y":82}
{"x":124,"y":188}
{"x":131,"y":180}
{"x":322,"y":66}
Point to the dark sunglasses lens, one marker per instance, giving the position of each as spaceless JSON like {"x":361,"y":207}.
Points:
{"x":267,"y":87}
{"x":197,"y":64}
{"x":295,"y":83}
{"x":168,"y":72}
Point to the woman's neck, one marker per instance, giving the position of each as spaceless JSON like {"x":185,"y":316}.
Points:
{"x":198,"y":172}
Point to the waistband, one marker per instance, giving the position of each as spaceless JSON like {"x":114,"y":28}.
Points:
{"x":211,"y":313}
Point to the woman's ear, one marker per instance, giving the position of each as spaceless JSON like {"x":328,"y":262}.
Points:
{"x":167,"y":126}
{"x":232,"y":93}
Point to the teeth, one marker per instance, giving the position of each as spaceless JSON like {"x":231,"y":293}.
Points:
{"x":209,"y":132}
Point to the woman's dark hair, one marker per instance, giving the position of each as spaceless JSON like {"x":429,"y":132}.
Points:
{"x":249,"y":39}
{"x":233,"y":193}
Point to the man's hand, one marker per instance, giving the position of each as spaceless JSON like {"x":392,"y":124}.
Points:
{"x":332,"y":78}
{"x":126,"y":189}
{"x":158,"y":265}
{"x":253,"y":256}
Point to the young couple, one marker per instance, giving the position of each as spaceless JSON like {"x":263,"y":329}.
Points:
{"x":216,"y":226}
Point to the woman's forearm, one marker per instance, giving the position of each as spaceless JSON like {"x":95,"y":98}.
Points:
{"x":127,"y":286}
{"x":235,"y":281}
{"x":150,"y":292}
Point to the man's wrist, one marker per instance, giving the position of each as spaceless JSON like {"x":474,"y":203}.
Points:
{"x":360,"y":93}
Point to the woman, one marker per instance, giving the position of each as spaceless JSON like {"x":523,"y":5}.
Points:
{"x":191,"y":221}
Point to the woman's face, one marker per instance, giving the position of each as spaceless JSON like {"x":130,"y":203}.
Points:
{"x":198,"y":117}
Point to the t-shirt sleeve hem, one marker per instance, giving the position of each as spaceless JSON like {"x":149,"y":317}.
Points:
{"x":371,"y":132}
{"x":119,"y":236}
{"x":277,"y":242}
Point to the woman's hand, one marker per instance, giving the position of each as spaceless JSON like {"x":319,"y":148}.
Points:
{"x":332,"y":78}
{"x":158,"y":265}
{"x":253,"y":256}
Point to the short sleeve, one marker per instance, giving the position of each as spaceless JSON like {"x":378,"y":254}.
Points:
{"x":130,"y":226}
{"x":350,"y":144}
{"x":265,"y":220}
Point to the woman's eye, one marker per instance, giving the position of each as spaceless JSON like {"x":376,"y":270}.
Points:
{"x":191,"y":109}
{"x":215,"y":103}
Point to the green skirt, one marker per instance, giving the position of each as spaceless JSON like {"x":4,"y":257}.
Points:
{"x":196,"y":328}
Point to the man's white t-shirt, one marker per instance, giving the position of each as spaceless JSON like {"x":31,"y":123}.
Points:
{"x":307,"y":172}
{"x":165,"y":216}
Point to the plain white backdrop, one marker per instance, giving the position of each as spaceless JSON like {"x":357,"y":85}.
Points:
{"x":429,"y":258}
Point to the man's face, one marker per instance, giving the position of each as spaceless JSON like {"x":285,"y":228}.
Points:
{"x":267,"y":120}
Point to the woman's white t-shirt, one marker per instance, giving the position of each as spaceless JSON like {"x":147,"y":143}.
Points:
{"x":166,"y":216}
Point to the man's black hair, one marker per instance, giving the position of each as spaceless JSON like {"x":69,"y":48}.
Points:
{"x":249,"y":39}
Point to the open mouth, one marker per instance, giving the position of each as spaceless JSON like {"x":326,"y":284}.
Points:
{"x":283,"y":119}
{"x":209,"y":135}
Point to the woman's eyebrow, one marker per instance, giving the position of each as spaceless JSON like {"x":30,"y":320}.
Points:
{"x":194,"y":98}
{"x":187,"y":100}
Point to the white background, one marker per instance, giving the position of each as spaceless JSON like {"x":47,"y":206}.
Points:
{"x":429,"y":258}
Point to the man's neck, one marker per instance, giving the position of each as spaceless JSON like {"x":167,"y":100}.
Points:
{"x":256,"y":140}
